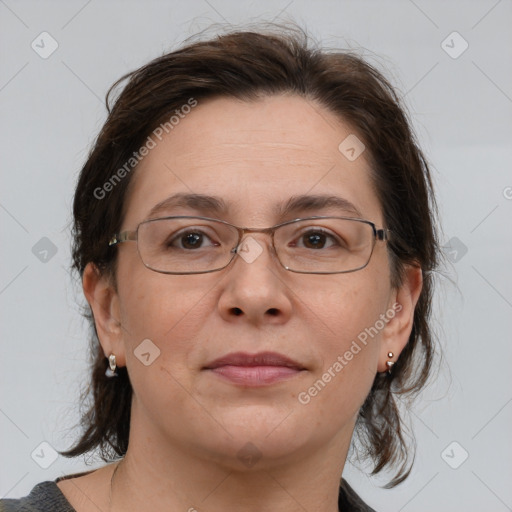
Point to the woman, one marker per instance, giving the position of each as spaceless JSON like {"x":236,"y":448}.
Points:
{"x":254,"y":230}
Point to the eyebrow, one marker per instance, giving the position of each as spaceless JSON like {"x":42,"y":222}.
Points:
{"x":311,"y":203}
{"x":200,"y":202}
{"x":209,"y":205}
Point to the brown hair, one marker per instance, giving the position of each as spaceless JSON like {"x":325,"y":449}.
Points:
{"x":246,"y":65}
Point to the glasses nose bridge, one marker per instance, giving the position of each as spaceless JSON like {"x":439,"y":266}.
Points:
{"x":268,"y":231}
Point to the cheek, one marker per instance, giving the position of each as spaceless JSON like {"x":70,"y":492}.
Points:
{"x":167,"y":310}
{"x":349,"y":317}
{"x":162,"y":318}
{"x":350,"y":305}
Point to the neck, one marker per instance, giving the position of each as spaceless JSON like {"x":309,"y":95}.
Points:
{"x":295,"y":470}
{"x":179,"y":481}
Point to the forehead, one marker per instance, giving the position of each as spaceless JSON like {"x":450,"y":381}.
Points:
{"x":254,"y":156}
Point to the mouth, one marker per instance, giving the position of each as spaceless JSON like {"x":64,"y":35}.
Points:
{"x":254,"y":370}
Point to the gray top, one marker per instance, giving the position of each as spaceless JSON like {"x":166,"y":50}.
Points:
{"x":47,"y":497}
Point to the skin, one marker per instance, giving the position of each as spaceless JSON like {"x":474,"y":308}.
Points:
{"x":187,"y":425}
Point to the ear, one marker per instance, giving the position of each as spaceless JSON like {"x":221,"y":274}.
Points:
{"x":104,"y":302}
{"x":400,"y":313}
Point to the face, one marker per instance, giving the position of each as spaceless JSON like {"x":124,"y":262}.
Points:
{"x":254,"y":156}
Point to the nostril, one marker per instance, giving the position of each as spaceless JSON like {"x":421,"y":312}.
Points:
{"x":273,"y":312}
{"x":237,"y":311}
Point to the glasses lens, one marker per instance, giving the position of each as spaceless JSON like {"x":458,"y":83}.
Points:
{"x":186,"y":244}
{"x":324,"y":245}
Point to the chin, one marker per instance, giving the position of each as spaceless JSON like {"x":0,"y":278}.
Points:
{"x":256,"y":439}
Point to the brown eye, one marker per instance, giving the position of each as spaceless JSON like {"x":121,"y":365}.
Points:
{"x":191,"y":240}
{"x":314,"y":240}
{"x":317,"y":239}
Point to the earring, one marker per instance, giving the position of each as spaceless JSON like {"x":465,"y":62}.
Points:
{"x":390,"y":364}
{"x":111,"y":371}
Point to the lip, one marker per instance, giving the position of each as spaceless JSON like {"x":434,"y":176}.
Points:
{"x":259,"y":369}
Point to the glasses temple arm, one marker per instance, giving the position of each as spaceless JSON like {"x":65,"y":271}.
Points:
{"x":124,"y":236}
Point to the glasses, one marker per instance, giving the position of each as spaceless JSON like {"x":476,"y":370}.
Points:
{"x":198,"y":245}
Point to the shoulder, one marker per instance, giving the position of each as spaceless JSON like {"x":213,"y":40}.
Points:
{"x":44,"y":497}
{"x":350,"y":501}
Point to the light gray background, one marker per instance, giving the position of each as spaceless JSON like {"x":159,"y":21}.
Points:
{"x":51,"y":109}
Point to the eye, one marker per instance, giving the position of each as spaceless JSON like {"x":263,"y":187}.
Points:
{"x":317,"y":239}
{"x":190,"y":240}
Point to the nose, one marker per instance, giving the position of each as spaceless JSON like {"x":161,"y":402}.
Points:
{"x":254,"y":288}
